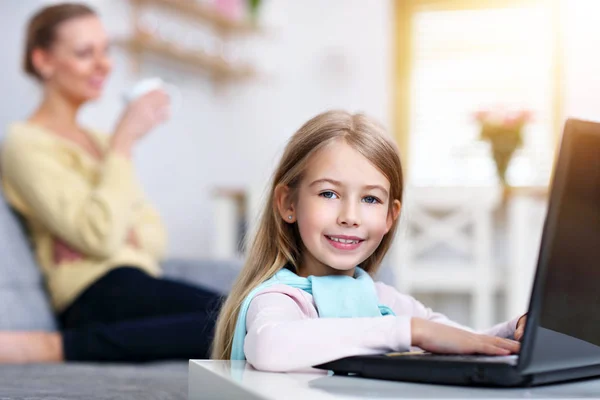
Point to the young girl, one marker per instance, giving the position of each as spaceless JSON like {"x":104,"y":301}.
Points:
{"x":305,"y":295}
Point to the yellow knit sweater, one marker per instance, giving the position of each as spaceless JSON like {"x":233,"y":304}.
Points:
{"x":90,"y":205}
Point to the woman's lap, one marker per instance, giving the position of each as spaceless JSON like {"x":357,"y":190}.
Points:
{"x":128,"y":293}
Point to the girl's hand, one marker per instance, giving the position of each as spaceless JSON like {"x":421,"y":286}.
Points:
{"x":443,"y":339}
{"x":520,"y":328}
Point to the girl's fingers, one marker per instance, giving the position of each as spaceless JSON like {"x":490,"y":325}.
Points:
{"x":493,"y":350}
{"x":512,"y":345}
{"x":519,"y":334}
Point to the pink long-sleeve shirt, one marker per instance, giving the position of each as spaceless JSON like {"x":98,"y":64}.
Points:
{"x":285,"y":333}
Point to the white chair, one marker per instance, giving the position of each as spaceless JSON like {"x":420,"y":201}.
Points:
{"x":236,"y":212}
{"x":229,"y":217}
{"x":445,"y":245}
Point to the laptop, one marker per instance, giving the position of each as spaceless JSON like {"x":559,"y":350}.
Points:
{"x":562,"y":335}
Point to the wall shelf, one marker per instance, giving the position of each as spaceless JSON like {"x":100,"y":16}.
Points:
{"x":204,"y":14}
{"x":217,"y":67}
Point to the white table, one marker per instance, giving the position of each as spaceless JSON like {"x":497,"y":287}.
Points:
{"x":238,"y":380}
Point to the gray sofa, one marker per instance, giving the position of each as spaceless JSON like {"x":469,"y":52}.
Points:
{"x":24,"y":306}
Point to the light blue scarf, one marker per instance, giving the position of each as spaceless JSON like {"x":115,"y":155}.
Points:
{"x":336,"y":296}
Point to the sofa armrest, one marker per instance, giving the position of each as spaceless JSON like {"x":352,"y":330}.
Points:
{"x":213,"y":274}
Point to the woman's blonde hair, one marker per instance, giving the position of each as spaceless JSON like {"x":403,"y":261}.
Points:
{"x":276,"y":242}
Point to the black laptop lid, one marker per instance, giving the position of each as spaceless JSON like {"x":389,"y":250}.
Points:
{"x":563,"y":329}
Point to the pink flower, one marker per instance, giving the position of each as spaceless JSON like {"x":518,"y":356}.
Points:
{"x":503,"y":118}
{"x":481,"y":116}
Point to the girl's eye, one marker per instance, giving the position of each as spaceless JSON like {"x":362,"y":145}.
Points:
{"x":329,"y":195}
{"x":371,"y":200}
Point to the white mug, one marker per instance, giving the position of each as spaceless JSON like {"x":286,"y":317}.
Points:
{"x":149,"y":84}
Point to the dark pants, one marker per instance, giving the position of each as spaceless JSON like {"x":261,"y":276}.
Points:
{"x":128,"y":315}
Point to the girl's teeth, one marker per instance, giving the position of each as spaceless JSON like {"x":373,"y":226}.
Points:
{"x":343,"y":240}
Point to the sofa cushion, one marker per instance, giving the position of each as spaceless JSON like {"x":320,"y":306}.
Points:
{"x":219,"y":274}
{"x":95,"y":381}
{"x":214,"y":274}
{"x":23,"y":300}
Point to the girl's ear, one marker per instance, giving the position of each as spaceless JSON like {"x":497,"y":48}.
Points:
{"x":285,"y":206}
{"x":393,"y":214}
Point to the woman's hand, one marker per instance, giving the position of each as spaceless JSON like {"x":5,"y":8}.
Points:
{"x":520,"y":328}
{"x":132,"y":239}
{"x":439,"y":338}
{"x":62,"y":252}
{"x":140,"y":117}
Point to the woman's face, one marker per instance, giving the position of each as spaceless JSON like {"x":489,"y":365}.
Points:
{"x":78,"y":63}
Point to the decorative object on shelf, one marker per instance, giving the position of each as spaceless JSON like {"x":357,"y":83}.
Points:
{"x":204,"y":14}
{"x":232,"y":9}
{"x":504,"y":130}
{"x":254,"y":8}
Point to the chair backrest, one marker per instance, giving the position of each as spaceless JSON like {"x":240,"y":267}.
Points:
{"x":446,"y":245}
{"x":459,"y":219}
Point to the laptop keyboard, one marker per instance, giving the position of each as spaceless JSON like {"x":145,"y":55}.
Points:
{"x":511,"y":359}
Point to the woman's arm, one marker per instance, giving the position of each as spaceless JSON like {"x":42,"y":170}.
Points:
{"x":150,"y":232}
{"x":93,"y":219}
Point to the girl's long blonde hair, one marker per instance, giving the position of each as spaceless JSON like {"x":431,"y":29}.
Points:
{"x":277,"y":243}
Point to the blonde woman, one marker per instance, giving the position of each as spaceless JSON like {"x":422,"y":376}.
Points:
{"x":305,"y":295}
{"x":98,"y":240}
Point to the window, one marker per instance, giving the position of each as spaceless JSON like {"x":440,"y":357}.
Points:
{"x":465,"y":60}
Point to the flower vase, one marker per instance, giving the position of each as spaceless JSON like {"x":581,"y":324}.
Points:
{"x":503,"y":144}
{"x":503,"y":130}
{"x":502,"y":156}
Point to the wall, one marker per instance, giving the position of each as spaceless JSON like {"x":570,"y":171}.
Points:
{"x":20,"y":92}
{"x":582,"y":62}
{"x":317,"y":55}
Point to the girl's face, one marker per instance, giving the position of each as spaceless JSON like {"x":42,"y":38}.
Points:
{"x":78,"y":63}
{"x":342,"y":208}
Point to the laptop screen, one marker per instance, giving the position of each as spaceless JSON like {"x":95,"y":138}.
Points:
{"x":571,"y":301}
{"x":568,"y":281}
